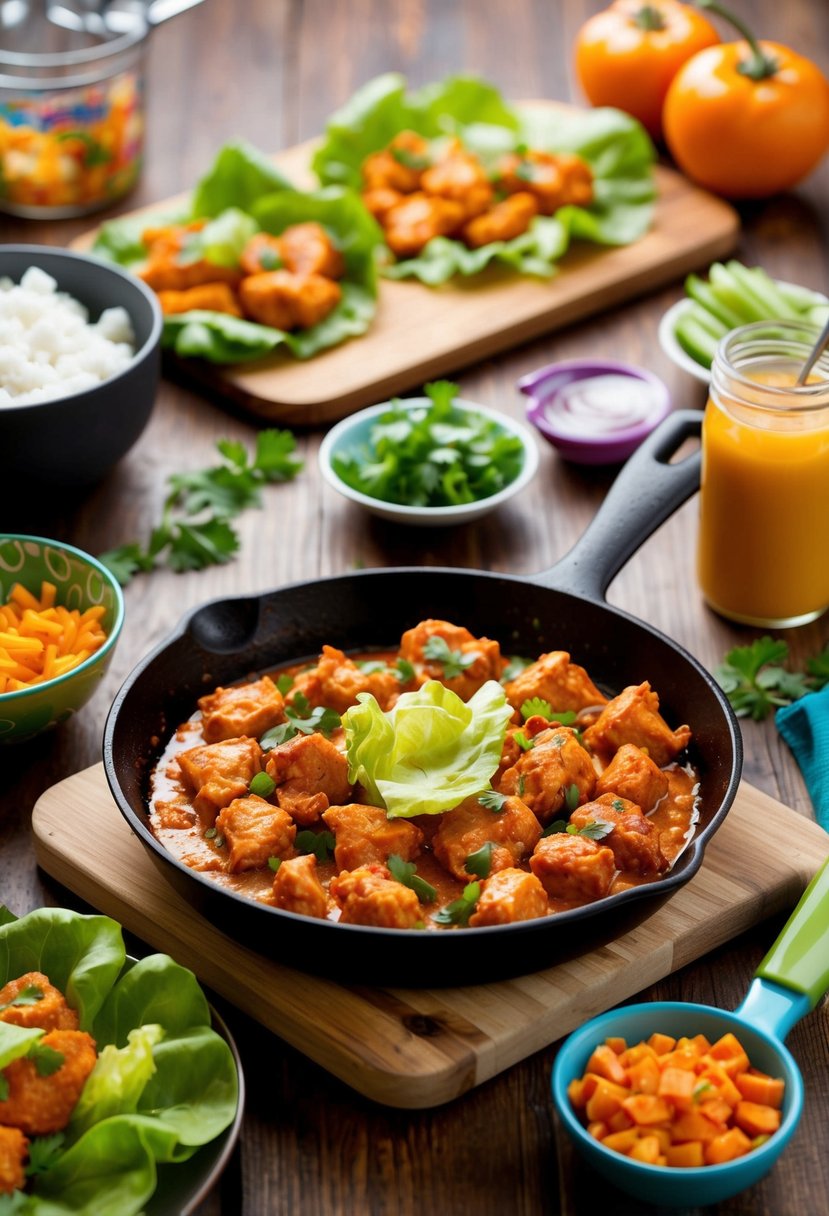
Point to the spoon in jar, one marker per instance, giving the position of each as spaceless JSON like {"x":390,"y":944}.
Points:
{"x":789,"y":982}
{"x":815,"y":353}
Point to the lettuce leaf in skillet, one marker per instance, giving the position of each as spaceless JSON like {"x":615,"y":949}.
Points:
{"x":163,"y":1085}
{"x":615,"y":146}
{"x":244,"y":192}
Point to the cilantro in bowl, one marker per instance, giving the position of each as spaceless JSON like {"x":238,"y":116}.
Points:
{"x":431,"y":453}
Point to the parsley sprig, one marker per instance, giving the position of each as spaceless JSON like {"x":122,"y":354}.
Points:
{"x":405,"y":872}
{"x":195,"y":531}
{"x":44,"y":1152}
{"x":302,"y":720}
{"x":460,"y":910}
{"x":596,"y":829}
{"x":538,"y":707}
{"x":453,"y":662}
{"x":756,"y":682}
{"x":321,"y":844}
{"x":30,"y":995}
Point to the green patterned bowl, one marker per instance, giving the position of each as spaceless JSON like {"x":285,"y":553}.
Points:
{"x":82,"y":582}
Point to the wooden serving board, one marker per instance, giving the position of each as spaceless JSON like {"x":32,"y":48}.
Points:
{"x":421,"y":332}
{"x":421,"y":1047}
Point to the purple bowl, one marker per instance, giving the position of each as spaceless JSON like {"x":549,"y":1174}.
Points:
{"x":595,"y":411}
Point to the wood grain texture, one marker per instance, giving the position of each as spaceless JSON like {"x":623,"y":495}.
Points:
{"x":424,"y":1047}
{"x":422,"y":332}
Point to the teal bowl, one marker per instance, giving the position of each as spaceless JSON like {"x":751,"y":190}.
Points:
{"x":82,"y":582}
{"x":788,"y":984}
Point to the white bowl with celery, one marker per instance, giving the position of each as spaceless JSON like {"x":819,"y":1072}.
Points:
{"x":429,"y":461}
{"x":733,"y":295}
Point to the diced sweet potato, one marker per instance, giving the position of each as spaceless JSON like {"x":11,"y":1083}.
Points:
{"x":605,"y":1062}
{"x":731,"y":1144}
{"x":646,"y":1109}
{"x":757,"y":1087}
{"x":686,"y":1156}
{"x":756,"y":1119}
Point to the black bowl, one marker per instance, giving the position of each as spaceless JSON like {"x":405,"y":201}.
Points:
{"x":76,"y":439}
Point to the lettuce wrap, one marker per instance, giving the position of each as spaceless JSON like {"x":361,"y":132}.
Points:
{"x":164,"y":1083}
{"x":243,"y":193}
{"x":615,"y":146}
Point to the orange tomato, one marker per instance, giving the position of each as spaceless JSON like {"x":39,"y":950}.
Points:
{"x":628,"y":55}
{"x":744,"y":130}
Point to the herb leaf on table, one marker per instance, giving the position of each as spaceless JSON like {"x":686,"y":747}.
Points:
{"x":195,"y":531}
{"x":756,"y":682}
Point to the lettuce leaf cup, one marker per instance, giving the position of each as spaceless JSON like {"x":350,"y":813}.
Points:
{"x":241,"y":194}
{"x":164,"y":1083}
{"x":616,"y":148}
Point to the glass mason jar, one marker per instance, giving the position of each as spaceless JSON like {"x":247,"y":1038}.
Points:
{"x":71,"y":108}
{"x":763,"y":554}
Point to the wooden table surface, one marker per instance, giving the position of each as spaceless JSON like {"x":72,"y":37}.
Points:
{"x":271,"y":71}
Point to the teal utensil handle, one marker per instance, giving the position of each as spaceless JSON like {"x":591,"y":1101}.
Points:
{"x":799,"y":959}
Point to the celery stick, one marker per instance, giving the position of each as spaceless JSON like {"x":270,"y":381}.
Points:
{"x":700,"y":291}
{"x":760,"y":287}
{"x":801,"y":298}
{"x":695,"y":340}
{"x":726,"y":288}
{"x":706,"y":319}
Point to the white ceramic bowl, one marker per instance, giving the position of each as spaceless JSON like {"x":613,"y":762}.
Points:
{"x":671,"y":347}
{"x":354,"y":430}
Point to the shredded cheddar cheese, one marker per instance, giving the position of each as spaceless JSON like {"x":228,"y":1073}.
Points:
{"x":41,"y":640}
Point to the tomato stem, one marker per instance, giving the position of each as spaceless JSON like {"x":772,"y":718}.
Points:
{"x":758,"y":66}
{"x":649,"y":18}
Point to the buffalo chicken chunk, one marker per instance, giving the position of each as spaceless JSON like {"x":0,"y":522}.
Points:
{"x":634,"y":840}
{"x":633,"y":775}
{"x":297,"y":888}
{"x":14,"y":1148}
{"x":336,"y":680}
{"x":51,"y":1012}
{"x":506,"y":220}
{"x":563,"y":685}
{"x":482,"y":656}
{"x":417,"y":219}
{"x":633,"y":717}
{"x":370,"y":896}
{"x":207,"y":297}
{"x":509,"y":896}
{"x":286,"y":300}
{"x":311,"y":774}
{"x":39,"y":1105}
{"x":461,"y":177}
{"x":365,"y":834}
{"x":542,"y":775}
{"x":219,"y":772}
{"x":255,"y":831}
{"x":243,"y":709}
{"x":308,"y":249}
{"x":513,"y":831}
{"x":400,"y":166}
{"x":553,"y":179}
{"x":573,"y":868}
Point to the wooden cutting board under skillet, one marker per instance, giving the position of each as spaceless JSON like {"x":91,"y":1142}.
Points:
{"x":422,"y":332}
{"x":422,"y":1047}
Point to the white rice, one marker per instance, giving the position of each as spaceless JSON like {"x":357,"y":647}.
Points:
{"x":48,"y":348}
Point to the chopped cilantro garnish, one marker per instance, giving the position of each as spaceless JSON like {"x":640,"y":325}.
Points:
{"x":480,"y":862}
{"x":432,"y":456}
{"x":285,"y":683}
{"x":30,"y":995}
{"x":210,"y":833}
{"x":321,"y":844}
{"x":493,"y":801}
{"x":4,"y":1088}
{"x":410,"y":160}
{"x":523,"y":742}
{"x":274,"y":863}
{"x":405,"y":872}
{"x":515,"y":665}
{"x":454,"y":662}
{"x":368,"y":666}
{"x":596,"y":829}
{"x":45,"y":1059}
{"x":44,"y":1152}
{"x":302,"y":720}
{"x":618,"y":805}
{"x":404,"y":670}
{"x":460,"y":910}
{"x":571,"y":797}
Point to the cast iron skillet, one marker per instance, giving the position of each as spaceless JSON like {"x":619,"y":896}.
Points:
{"x":562,"y":608}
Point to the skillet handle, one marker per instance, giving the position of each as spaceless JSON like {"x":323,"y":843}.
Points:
{"x":646,"y":492}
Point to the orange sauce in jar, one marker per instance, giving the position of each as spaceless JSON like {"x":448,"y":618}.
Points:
{"x":763,"y":555}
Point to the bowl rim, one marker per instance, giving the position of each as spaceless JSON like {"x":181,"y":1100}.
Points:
{"x":465,"y":510}
{"x":153,"y":338}
{"x":8,"y":698}
{"x":533,"y":387}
